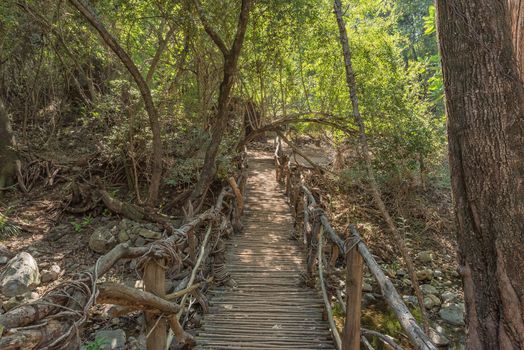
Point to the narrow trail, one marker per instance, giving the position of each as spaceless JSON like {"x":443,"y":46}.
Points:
{"x":270,"y":308}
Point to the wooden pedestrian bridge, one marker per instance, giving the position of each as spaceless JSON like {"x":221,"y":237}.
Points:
{"x":276,"y":301}
{"x":275,"y":265}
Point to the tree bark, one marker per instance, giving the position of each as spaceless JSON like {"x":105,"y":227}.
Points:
{"x":485,"y":108}
{"x":230,"y":67}
{"x":375,"y":191}
{"x":84,"y":8}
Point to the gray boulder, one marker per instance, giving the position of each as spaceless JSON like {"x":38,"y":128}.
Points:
{"x":21,"y":275}
{"x":452,"y":314}
{"x":20,"y":300}
{"x":52,"y":274}
{"x":112,"y":339}
{"x":428,"y":289}
{"x":102,"y":240}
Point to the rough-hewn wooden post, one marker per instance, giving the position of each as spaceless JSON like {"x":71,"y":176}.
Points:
{"x":354,"y":265}
{"x":154,"y":282}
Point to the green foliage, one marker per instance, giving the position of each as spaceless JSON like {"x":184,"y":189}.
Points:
{"x":7,"y":227}
{"x":98,"y":344}
{"x":79,"y":226}
{"x":430,"y":22}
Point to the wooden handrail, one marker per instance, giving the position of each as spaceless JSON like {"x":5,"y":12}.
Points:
{"x":355,"y":252}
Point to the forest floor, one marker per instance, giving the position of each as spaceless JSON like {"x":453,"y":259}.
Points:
{"x":54,"y":236}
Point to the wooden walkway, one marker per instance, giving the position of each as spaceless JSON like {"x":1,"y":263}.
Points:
{"x":270,"y":308}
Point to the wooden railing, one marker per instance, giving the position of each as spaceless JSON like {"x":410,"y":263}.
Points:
{"x":316,"y":229}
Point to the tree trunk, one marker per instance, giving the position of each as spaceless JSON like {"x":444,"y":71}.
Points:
{"x":375,"y":191}
{"x":230,"y":67}
{"x":516,"y":9}
{"x":485,"y":107}
{"x":7,"y":154}
{"x":85,"y":9}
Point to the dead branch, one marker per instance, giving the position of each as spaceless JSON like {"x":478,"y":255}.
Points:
{"x":114,"y":293}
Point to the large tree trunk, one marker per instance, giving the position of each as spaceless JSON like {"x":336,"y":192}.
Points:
{"x":7,"y":154}
{"x":85,"y":9}
{"x":485,"y":105}
{"x":230,"y":67}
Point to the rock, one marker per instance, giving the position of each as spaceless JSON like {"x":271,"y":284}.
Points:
{"x":410,"y":299}
{"x":428,"y":289}
{"x":438,"y":338}
{"x":391,"y":273}
{"x":148,"y":234}
{"x":19,"y":300}
{"x":52,"y":274}
{"x":366,"y":287}
{"x":452,"y":314}
{"x":407,"y":282}
{"x":431,"y":301}
{"x":123,"y":236}
{"x":137,"y":344}
{"x":20,"y":275}
{"x":3,"y":260}
{"x":425,"y":275}
{"x":402,"y":272}
{"x":448,"y":296}
{"x":425,"y":257}
{"x":140,"y":242}
{"x":115,"y":339}
{"x":368,"y":299}
{"x":437,"y":273}
{"x":102,"y":240}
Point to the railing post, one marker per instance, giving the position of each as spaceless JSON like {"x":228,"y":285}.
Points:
{"x":354,"y":265}
{"x":156,"y":326}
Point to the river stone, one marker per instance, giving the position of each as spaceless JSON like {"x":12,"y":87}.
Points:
{"x":115,"y":339}
{"x":425,"y":257}
{"x":425,"y":275}
{"x":366,"y":287}
{"x":428,"y":289}
{"x":19,"y":300}
{"x":438,"y":338}
{"x":452,"y":314}
{"x":431,"y":301}
{"x":410,"y":299}
{"x":52,"y":274}
{"x":3,"y":260}
{"x":448,"y":296}
{"x":140,"y":242}
{"x":21,"y":275}
{"x":148,"y":234}
{"x":123,"y":236}
{"x":102,"y":240}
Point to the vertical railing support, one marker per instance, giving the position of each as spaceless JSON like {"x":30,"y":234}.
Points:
{"x":354,"y":266}
{"x":156,"y":326}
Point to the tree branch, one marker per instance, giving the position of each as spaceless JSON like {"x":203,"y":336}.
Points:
{"x":209,"y":29}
